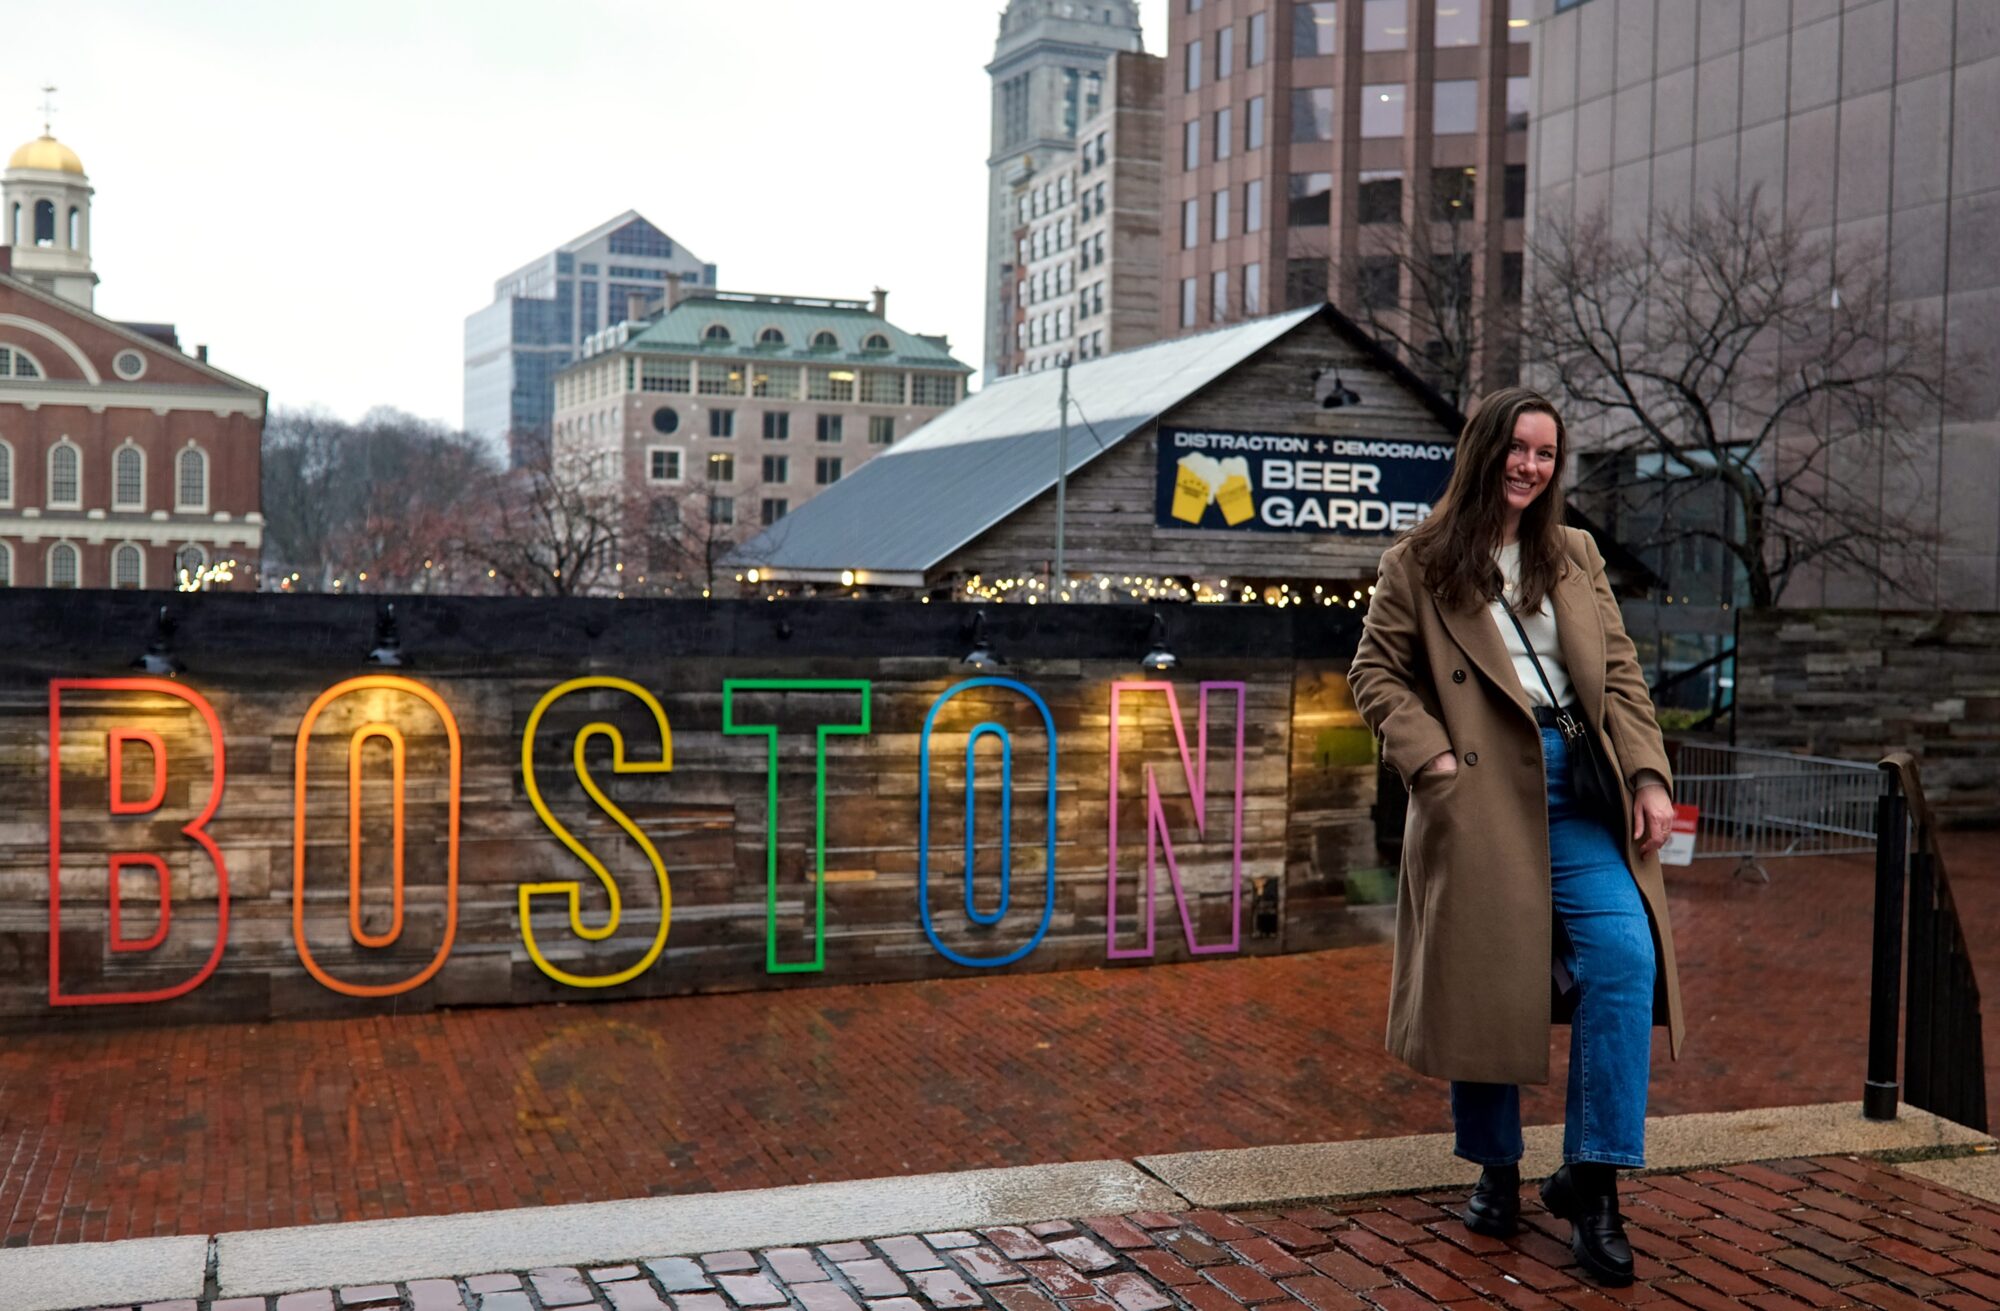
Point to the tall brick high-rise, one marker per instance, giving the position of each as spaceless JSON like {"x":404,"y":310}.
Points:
{"x":1371,"y":152}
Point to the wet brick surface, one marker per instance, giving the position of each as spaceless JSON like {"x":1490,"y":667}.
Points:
{"x":1824,"y":1233}
{"x":128,"y":1133}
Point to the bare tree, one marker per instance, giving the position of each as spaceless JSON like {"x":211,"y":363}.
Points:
{"x":1415,"y":293}
{"x":548,"y":532}
{"x":1728,"y":356}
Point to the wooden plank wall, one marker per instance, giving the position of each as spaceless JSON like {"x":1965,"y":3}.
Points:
{"x":261,"y":661}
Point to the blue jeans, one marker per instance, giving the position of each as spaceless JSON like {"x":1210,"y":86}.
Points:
{"x":1604,"y":941}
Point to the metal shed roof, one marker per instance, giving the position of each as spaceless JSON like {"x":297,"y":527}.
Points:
{"x":910,"y":507}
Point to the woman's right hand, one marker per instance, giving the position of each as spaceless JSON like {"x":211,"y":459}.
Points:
{"x":1444,"y":762}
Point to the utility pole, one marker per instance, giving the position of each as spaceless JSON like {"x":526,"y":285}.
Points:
{"x":1062,"y":481}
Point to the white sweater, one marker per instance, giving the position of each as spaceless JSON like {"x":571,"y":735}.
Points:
{"x":1541,"y":628}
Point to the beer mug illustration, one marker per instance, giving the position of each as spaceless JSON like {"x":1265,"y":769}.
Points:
{"x":1234,"y":493}
{"x":1194,"y":487}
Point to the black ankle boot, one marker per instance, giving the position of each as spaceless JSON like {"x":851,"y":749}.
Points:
{"x":1494,"y":1209}
{"x":1586,"y":1195}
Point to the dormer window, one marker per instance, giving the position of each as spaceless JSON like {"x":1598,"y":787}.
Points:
{"x":716,"y":332}
{"x":825,"y":341}
{"x":771,"y":337}
{"x":876,"y":342}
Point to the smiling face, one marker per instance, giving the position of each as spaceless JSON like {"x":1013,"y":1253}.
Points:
{"x":1531,"y":462}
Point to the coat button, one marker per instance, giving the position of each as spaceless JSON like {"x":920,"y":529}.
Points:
{"x":1472,"y":757}
{"x":1458,"y":675}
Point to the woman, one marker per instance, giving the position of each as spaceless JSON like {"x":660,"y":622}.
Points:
{"x":1516,"y":905}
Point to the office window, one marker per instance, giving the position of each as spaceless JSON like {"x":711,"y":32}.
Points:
{"x":1253,"y":123}
{"x":1220,"y":220}
{"x":826,"y":470}
{"x":1188,"y":297}
{"x":1305,"y":282}
{"x":777,"y":468}
{"x":1194,"y":65}
{"x":1225,"y":135}
{"x":773,"y":509}
{"x":128,"y":469}
{"x":1253,"y":290}
{"x":1518,"y":93}
{"x":1454,"y":107}
{"x":1253,"y":205}
{"x":1520,"y":19}
{"x":1191,"y":145}
{"x":1510,"y":277}
{"x":1514,"y":192}
{"x":1451,"y":192}
{"x":1315,"y":28}
{"x":882,"y":387}
{"x":777,"y":426}
{"x":1379,"y":197}
{"x":1190,"y":224}
{"x":937,"y":389}
{"x":828,"y":427}
{"x":1312,"y":114}
{"x":722,"y":423}
{"x":722,"y":468}
{"x":1382,"y":109}
{"x":720,"y":378}
{"x":1379,"y":281}
{"x":830,"y":384}
{"x":665,"y":375}
{"x":1218,"y":295}
{"x":663,"y":465}
{"x":775,"y":381}
{"x":1311,"y":200}
{"x":1385,"y":24}
{"x":1225,"y":52}
{"x":722,"y":510}
{"x":881,"y":429}
{"x":1457,"y":23}
{"x":1257,"y":43}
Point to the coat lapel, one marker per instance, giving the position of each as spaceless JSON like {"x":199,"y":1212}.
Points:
{"x":1580,"y":630}
{"x":1476,"y":633}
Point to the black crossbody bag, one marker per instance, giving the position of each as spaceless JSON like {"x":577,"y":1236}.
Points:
{"x":1592,"y":780}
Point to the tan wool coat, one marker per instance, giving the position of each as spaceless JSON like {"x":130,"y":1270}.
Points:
{"x":1471,"y":996}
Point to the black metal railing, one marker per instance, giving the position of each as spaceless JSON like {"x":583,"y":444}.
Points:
{"x":1944,"y":1055}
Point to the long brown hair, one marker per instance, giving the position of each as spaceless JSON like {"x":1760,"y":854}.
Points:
{"x":1455,"y":544}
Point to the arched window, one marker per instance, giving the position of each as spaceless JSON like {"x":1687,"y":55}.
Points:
{"x":45,"y":223}
{"x":65,"y":476}
{"x":75,"y":228}
{"x":17,"y":363}
{"x":6,"y":565}
{"x":63,"y":570}
{"x":128,"y":567}
{"x":6,"y":473}
{"x":191,"y":480}
{"x":876,"y":342}
{"x":825,"y":341}
{"x":771,"y":337}
{"x":190,"y":560}
{"x":128,"y":479}
{"x":716,"y":332}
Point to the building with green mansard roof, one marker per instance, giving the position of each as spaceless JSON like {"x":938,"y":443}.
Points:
{"x":728,"y":410}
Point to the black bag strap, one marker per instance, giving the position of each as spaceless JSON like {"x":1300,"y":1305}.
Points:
{"x":1564,"y":720}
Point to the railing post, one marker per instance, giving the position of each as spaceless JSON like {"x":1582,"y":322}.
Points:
{"x":1878,"y":1098}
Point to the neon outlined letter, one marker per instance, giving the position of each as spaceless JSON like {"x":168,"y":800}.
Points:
{"x":570,"y":888}
{"x":1158,"y":840}
{"x":196,"y":831}
{"x":361,"y":735}
{"x":730,"y":687}
{"x":1006,"y":811}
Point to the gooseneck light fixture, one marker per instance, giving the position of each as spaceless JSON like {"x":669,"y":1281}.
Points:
{"x":982,"y":656}
{"x":1158,"y":659}
{"x":388,"y":649}
{"x":159,"y":659}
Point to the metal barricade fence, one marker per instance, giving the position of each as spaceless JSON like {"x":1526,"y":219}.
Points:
{"x":1758,"y":805}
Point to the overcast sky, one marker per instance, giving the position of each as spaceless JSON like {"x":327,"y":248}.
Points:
{"x":321,"y":192}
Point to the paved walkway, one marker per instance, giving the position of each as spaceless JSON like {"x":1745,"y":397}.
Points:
{"x":219,"y":1128}
{"x":1803,"y":1232}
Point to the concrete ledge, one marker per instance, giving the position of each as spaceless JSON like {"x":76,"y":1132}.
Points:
{"x":600,"y":1233}
{"x":1256,"y":1176}
{"x":92,"y":1274}
{"x":1976,"y":1175}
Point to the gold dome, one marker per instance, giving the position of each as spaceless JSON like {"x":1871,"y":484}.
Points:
{"x":48,"y":154}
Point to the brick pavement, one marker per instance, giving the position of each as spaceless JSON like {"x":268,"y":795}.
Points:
{"x":1821,"y":1233}
{"x":214,"y":1128}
